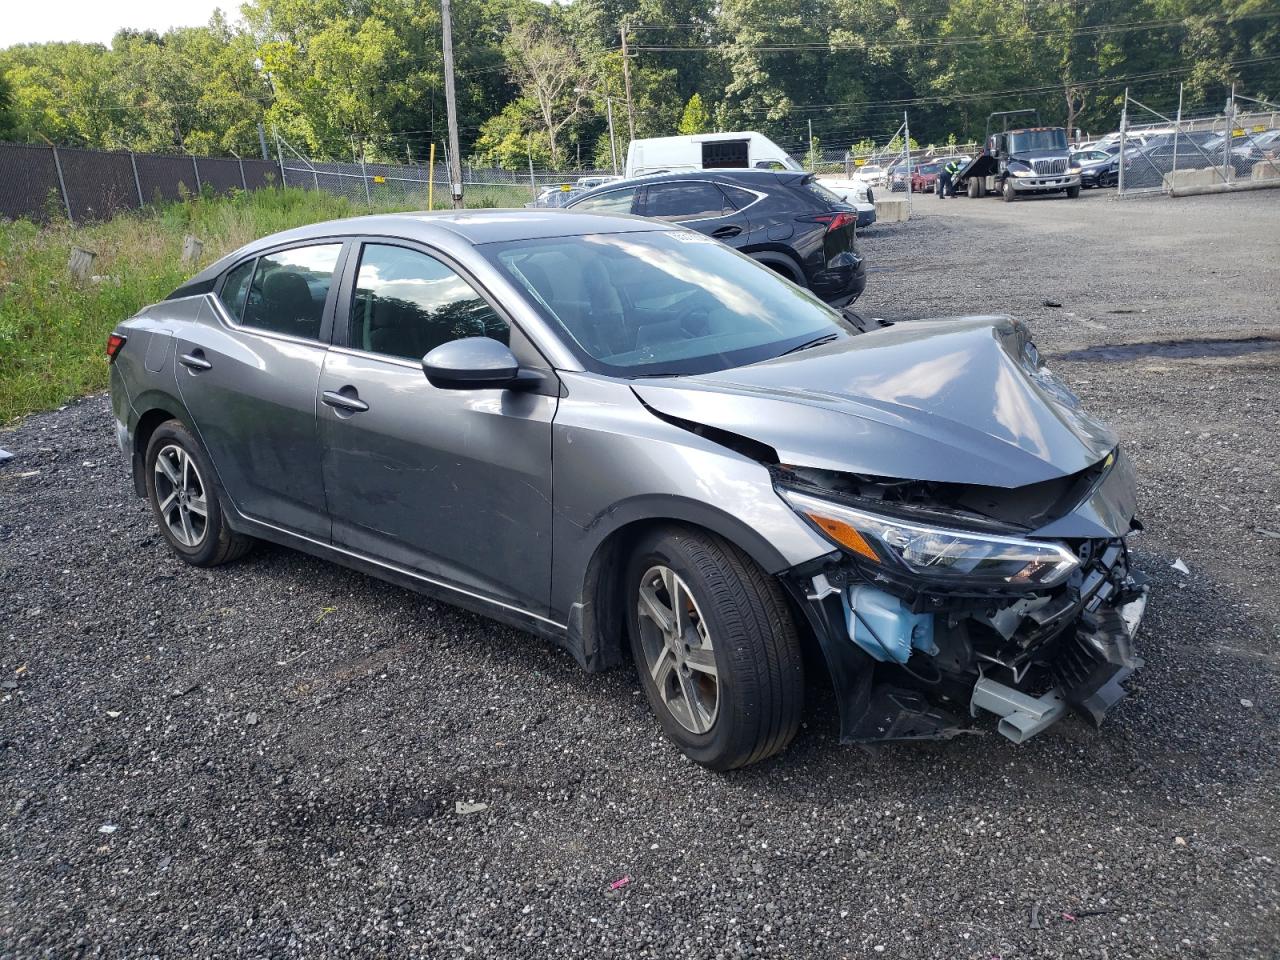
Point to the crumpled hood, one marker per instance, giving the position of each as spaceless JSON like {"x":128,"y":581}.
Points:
{"x":958,"y":400}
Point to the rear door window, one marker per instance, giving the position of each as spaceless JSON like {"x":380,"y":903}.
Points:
{"x":686,"y":200}
{"x":235,"y":288}
{"x":289,"y":290}
{"x":615,"y":201}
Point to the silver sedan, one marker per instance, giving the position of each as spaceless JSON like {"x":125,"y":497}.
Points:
{"x":628,"y":438}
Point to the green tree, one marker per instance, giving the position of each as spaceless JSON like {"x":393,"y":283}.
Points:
{"x":8,"y":124}
{"x":695,"y":118}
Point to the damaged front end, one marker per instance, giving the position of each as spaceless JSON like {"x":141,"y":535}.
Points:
{"x":977,"y":514}
{"x":946,"y":601}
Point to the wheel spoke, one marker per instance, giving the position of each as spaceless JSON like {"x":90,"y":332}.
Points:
{"x":198,"y":506}
{"x":661,"y":670}
{"x":675,"y":592}
{"x":702,"y":659}
{"x":168,"y":502}
{"x":186,"y":471}
{"x":651,"y":607}
{"x":169,"y":470}
{"x":188,"y":534}
{"x":693,"y":703}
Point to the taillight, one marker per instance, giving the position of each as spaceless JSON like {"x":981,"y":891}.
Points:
{"x":114,"y":343}
{"x":835,"y":221}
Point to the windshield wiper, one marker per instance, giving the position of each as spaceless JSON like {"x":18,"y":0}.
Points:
{"x":815,"y":342}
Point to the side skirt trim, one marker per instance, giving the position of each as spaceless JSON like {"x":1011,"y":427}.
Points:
{"x":477,"y":602}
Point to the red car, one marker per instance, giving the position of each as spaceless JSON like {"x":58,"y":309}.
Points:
{"x":924,"y":177}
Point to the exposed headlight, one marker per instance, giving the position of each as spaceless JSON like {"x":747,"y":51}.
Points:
{"x":936,"y":553}
{"x":1019,"y":169}
{"x":1073,"y":170}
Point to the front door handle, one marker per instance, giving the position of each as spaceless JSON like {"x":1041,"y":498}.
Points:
{"x":726,"y":233}
{"x":350,"y":403}
{"x":195,"y":361}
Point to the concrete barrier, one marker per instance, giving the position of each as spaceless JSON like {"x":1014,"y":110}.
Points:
{"x":1177,"y":181}
{"x":1266,"y":170}
{"x":892,"y":211}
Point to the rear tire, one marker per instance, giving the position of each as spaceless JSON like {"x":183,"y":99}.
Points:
{"x":183,"y":492}
{"x":975,"y":188}
{"x":724,"y":676}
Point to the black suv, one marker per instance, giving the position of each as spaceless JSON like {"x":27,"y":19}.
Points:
{"x":783,"y":219}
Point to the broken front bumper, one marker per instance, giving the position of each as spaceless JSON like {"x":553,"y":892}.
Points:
{"x":938,"y":662}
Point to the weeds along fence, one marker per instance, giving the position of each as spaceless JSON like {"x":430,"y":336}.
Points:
{"x":41,"y":183}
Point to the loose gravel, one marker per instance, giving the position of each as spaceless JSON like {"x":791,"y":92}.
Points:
{"x":282,"y":758}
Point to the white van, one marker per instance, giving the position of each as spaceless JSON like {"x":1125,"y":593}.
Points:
{"x":706,"y":151}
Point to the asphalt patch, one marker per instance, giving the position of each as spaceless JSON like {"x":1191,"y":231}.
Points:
{"x":1174,"y":349}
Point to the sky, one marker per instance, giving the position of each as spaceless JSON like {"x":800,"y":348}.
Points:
{"x":95,"y":21}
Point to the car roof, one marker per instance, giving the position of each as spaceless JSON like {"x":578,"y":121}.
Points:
{"x":739,"y":175}
{"x":496,"y":225}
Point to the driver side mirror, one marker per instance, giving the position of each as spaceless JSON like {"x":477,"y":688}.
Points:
{"x":472,"y":363}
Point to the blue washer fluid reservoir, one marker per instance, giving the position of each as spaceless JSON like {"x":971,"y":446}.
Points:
{"x":884,"y":626}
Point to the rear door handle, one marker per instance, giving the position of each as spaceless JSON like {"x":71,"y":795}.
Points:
{"x":195,"y":360}
{"x":351,"y":403}
{"x":724,"y":233}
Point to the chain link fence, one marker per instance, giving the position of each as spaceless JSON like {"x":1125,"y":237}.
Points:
{"x":41,"y":183}
{"x":1236,"y":150}
{"x":426,"y":185}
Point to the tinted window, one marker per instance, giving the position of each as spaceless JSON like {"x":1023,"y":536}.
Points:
{"x":406,"y":304}
{"x":738,"y":197}
{"x":615,"y":201}
{"x":686,"y":200}
{"x":662,"y":302}
{"x":814,"y":187}
{"x":235,"y":289}
{"x":289,"y":289}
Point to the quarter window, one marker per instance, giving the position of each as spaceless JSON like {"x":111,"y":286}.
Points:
{"x":235,"y":289}
{"x":615,"y":201}
{"x":406,"y":304}
{"x":289,"y":290}
{"x":688,"y":200}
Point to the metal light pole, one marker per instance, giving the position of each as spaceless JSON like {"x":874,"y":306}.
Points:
{"x":613,"y":146}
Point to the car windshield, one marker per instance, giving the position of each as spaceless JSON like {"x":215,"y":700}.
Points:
{"x":662,"y":303}
{"x":1030,"y":140}
{"x":930,"y":168}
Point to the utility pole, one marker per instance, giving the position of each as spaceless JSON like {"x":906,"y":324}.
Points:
{"x":451,"y":107}
{"x":626,"y":79}
{"x":613,"y":146}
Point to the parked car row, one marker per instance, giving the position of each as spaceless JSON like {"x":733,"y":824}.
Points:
{"x":1157,"y":154}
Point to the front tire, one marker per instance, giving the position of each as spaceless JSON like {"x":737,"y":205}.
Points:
{"x":1073,"y":192}
{"x":1007,"y":192}
{"x":715,"y":646}
{"x":183,"y":493}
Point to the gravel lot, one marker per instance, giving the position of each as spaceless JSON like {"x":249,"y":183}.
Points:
{"x":267,"y":759}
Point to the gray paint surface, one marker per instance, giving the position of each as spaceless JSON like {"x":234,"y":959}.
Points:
{"x":502,"y":498}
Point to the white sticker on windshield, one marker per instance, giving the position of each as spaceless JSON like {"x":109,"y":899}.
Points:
{"x":688,"y":236}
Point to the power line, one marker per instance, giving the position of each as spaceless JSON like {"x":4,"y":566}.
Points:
{"x":1131,"y":26}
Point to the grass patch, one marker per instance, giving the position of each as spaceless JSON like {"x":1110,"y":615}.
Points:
{"x":53,"y":328}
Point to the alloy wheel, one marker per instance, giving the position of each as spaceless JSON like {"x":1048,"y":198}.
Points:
{"x":180,"y":496}
{"x":678,"y":650}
